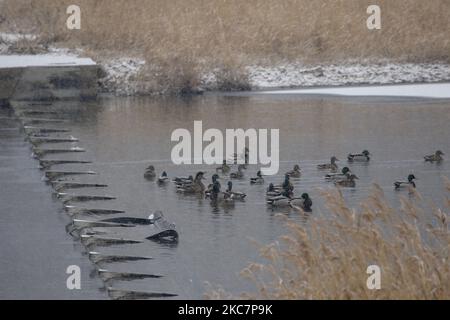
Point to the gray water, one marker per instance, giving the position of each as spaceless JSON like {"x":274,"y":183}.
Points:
{"x":123,"y":136}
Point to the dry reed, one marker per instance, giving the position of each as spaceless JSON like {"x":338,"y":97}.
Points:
{"x":328,"y":257}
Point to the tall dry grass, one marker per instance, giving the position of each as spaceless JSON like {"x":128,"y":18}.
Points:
{"x":327,"y":257}
{"x":186,"y":37}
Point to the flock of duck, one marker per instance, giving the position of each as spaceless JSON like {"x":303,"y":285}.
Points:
{"x":280,"y":195}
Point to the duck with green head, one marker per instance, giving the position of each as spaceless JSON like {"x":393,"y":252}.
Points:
{"x":303,"y":204}
{"x":329,"y":166}
{"x":215,"y":184}
{"x":338,"y":176}
{"x":233,"y":194}
{"x":437,"y":157}
{"x":406,"y":184}
{"x":360,"y":157}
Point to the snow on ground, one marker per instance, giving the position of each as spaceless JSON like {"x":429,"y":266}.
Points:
{"x":432,"y":90}
{"x":120,"y":75}
{"x":19,"y":61}
{"x":297,"y":75}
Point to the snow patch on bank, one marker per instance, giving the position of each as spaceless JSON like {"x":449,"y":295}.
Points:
{"x":120,"y":75}
{"x":297,"y":75}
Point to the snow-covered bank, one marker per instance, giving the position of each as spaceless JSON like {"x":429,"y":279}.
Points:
{"x":351,"y":73}
{"x":41,"y":60}
{"x":432,"y":90}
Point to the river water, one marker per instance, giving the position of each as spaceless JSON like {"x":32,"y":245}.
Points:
{"x":122,"y":136}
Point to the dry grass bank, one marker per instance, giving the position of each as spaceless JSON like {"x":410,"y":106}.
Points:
{"x":183,"y":38}
{"x":327,"y":258}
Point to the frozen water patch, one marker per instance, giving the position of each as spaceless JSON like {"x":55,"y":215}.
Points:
{"x":435,"y":90}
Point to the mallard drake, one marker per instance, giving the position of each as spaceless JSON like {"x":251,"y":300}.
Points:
{"x":259,"y":178}
{"x":287,"y":185}
{"x":279,"y":201}
{"x":296,"y":173}
{"x":215,"y":184}
{"x":364,"y":156}
{"x":239,"y":174}
{"x":338,"y":176}
{"x":196,"y":186}
{"x":304,"y":205}
{"x":225,"y":168}
{"x":403,"y":184}
{"x":163,"y":178}
{"x":329,"y":166}
{"x":234,"y":195}
{"x":349,"y":182}
{"x":437,"y":157}
{"x":150,"y":173}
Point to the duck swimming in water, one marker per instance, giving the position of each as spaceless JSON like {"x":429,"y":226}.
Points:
{"x":273,"y":191}
{"x":196,"y":187}
{"x":437,"y":157}
{"x":259,"y":178}
{"x":338,"y":176}
{"x":296,"y":173}
{"x":329,"y":166}
{"x":234,"y":195}
{"x":361,"y":157}
{"x":239,"y":174}
{"x":215,"y":184}
{"x":150,"y":173}
{"x":163,"y":178}
{"x":225,"y":168}
{"x":305,"y":204}
{"x":406,"y":184}
{"x":349,"y":182}
{"x":181,"y":181}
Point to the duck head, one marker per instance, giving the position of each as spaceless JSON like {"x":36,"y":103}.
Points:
{"x":411,"y":178}
{"x":334,"y":159}
{"x":230,"y":185}
{"x":296,"y":167}
{"x":271,"y":187}
{"x":200,"y":176}
{"x":164,"y":174}
{"x":366,"y":153}
{"x":305,"y":196}
{"x":345,"y":170}
{"x":151,"y":168}
{"x":215,"y":177}
{"x":439,"y":153}
{"x":259,"y":174}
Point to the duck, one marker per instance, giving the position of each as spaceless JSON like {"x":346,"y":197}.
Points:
{"x":273,"y":191}
{"x":305,"y":204}
{"x":234,"y":195}
{"x":196,"y":186}
{"x":239,"y":174}
{"x":259,"y":178}
{"x":279,"y":201}
{"x":329,"y":166}
{"x":338,"y":176}
{"x":215,"y":184}
{"x":295,"y":173}
{"x":163,"y":178}
{"x":349,"y":182}
{"x":362,"y":157}
{"x":150,"y":173}
{"x":225,"y":168}
{"x":181,"y":181}
{"x":437,"y":157}
{"x":403,"y":184}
